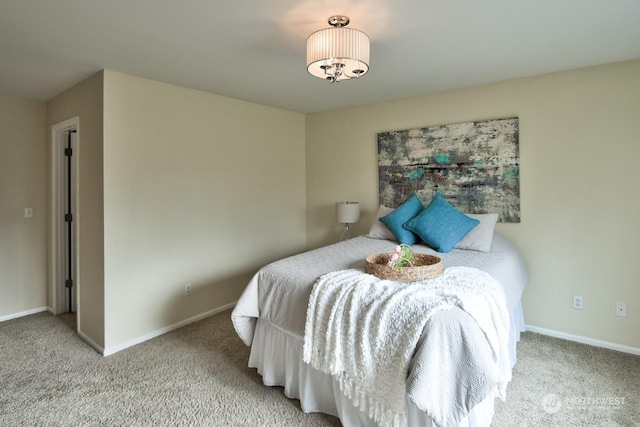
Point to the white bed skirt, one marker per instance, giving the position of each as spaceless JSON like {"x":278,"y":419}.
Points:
{"x":277,"y":355}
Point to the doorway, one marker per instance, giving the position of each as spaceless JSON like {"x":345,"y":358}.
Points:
{"x":64,"y":217}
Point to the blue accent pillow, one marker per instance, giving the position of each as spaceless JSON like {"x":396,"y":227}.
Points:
{"x":441,"y":225}
{"x":403,"y":213}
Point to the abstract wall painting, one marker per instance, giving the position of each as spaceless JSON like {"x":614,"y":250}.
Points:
{"x":474,"y":165}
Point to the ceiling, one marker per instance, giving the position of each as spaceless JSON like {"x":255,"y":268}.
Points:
{"x":255,"y":50}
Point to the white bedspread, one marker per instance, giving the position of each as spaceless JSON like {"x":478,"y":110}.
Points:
{"x":364,"y":332}
{"x":279,"y":293}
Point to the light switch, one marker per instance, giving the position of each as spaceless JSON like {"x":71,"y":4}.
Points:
{"x":28,"y":212}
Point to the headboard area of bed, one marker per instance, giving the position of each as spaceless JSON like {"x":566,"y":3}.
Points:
{"x":474,"y":165}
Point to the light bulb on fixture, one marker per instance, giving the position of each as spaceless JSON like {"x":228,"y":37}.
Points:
{"x":338,"y":53}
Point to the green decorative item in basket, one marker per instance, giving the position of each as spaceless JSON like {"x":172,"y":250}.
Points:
{"x":404,"y":266}
{"x":402,"y":256}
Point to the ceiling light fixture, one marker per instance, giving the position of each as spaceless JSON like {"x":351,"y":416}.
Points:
{"x":338,"y":53}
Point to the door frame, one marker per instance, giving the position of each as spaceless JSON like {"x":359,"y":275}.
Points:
{"x":57,"y":277}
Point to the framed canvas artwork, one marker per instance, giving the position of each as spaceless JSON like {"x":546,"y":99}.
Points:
{"x":474,"y":165}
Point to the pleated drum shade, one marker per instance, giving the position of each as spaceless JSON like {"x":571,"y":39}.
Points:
{"x":329,"y":46}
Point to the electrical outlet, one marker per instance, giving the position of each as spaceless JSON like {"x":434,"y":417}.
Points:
{"x":187,"y":289}
{"x":28,"y":212}
{"x":621,"y":309}
{"x":577,"y":302}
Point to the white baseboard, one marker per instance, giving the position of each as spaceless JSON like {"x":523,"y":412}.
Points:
{"x":584,"y":340}
{"x":116,"y":348}
{"x":91,"y":342}
{"x":24,"y":313}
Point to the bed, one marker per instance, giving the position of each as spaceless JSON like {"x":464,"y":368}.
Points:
{"x":270,"y":318}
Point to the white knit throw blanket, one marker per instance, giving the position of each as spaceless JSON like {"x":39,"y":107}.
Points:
{"x":363,"y":331}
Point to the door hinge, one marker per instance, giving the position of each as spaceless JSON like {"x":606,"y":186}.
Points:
{"x":68,"y":283}
{"x":68,"y":217}
{"x":68,"y":152}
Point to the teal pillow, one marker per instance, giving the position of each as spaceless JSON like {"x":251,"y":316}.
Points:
{"x":441,"y":225}
{"x":403,"y":213}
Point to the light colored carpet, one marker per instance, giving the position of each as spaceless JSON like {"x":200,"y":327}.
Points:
{"x":198,"y":375}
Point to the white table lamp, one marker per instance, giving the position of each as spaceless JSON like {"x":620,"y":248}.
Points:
{"x":347,"y":213}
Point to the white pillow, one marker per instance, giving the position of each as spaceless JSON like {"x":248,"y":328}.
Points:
{"x":480,"y":236}
{"x":378,"y":230}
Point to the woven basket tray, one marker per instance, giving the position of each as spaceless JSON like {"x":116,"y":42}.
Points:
{"x":430,"y":267}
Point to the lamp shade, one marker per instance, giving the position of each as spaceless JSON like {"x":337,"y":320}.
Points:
{"x":347,"y":212}
{"x":338,"y":53}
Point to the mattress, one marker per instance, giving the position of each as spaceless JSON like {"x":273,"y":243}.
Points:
{"x":272,"y":309}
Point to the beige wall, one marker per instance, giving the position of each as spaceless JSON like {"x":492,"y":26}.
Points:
{"x":579,"y":150}
{"x":198,"y":188}
{"x":205,"y":189}
{"x":85,"y":101}
{"x":23,"y":183}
